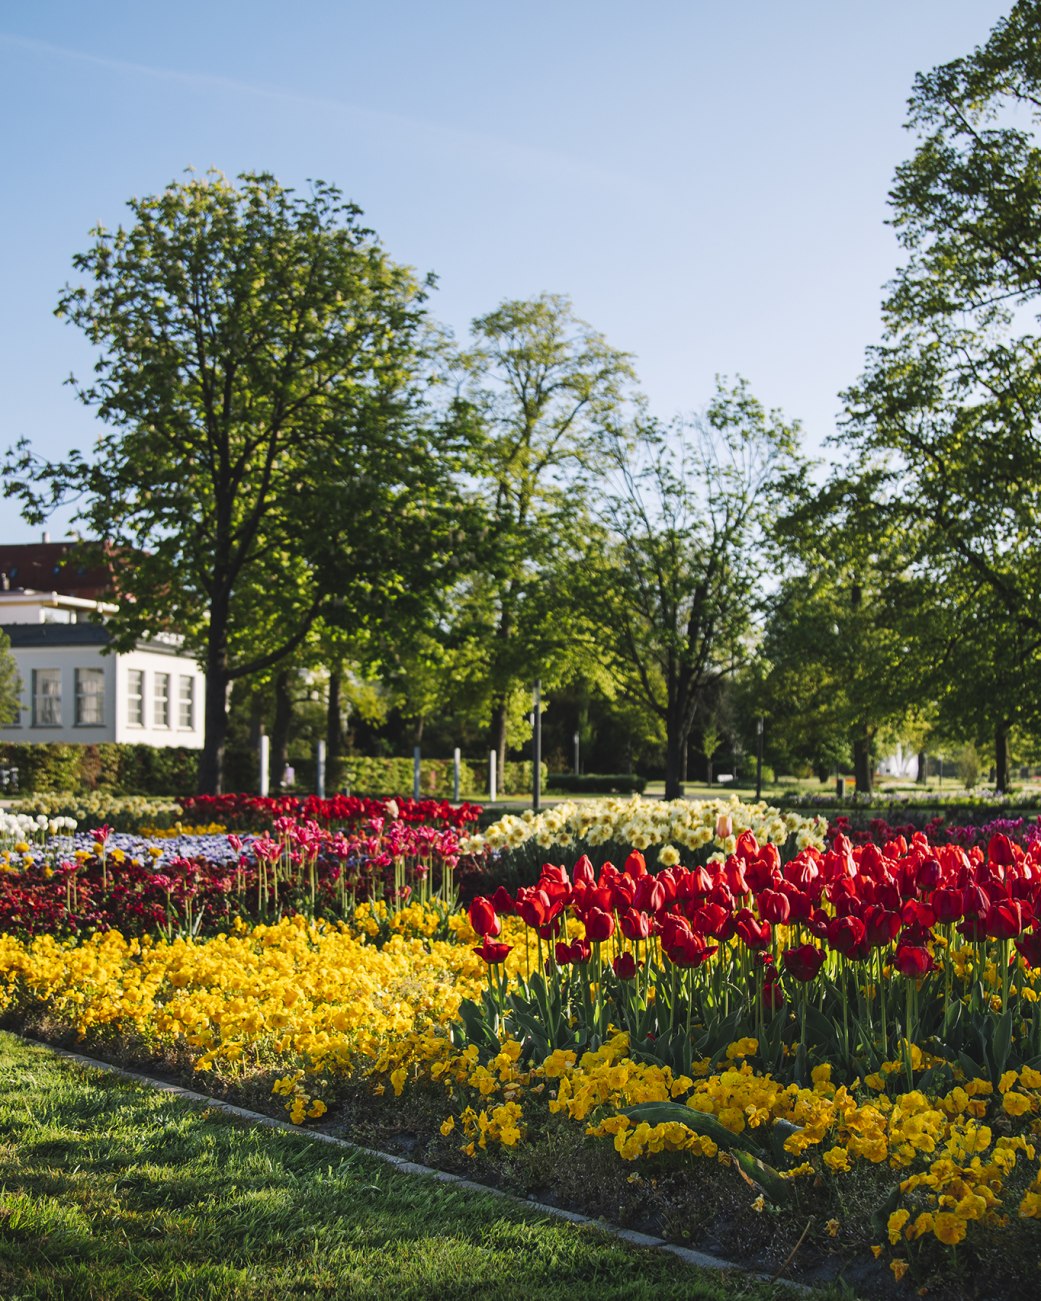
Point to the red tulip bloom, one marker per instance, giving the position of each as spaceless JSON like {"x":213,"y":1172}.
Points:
{"x":635,"y":864}
{"x":747,"y":847}
{"x":751,"y":933}
{"x":583,"y":871}
{"x":635,"y":925}
{"x":848,"y":936}
{"x":649,"y":894}
{"x":534,"y":906}
{"x":579,"y":952}
{"x":804,"y":962}
{"x":599,"y":925}
{"x":483,"y":918}
{"x":948,"y":905}
{"x":882,"y":925}
{"x":503,"y":902}
{"x":624,"y":966}
{"x":1029,"y":946}
{"x":493,"y":953}
{"x":689,"y":951}
{"x":1005,"y":920}
{"x":555,"y":882}
{"x":774,"y":906}
{"x":912,"y":960}
{"x":1001,"y":851}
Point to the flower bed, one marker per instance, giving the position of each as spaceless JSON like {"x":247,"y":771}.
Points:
{"x":849,"y":1034}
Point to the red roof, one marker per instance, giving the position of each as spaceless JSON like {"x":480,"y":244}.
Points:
{"x":47,"y":567}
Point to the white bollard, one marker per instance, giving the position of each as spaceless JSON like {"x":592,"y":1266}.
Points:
{"x":455,"y":775}
{"x":265,"y":765}
{"x":491,"y":776}
{"x":319,"y":771}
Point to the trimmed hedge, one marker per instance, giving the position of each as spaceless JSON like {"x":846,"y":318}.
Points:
{"x":596,"y":783}
{"x":122,"y":769}
{"x":156,"y":770}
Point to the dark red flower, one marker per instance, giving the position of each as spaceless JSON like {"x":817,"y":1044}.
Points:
{"x":483,"y":918}
{"x":493,"y":953}
{"x":1005,"y":920}
{"x":1029,"y":946}
{"x":848,"y":936}
{"x":750,"y":932}
{"x":912,"y":960}
{"x":579,"y":951}
{"x":804,"y":962}
{"x":624,"y":966}
{"x":635,"y":925}
{"x":774,"y":907}
{"x":635,"y":864}
{"x":583,"y":871}
{"x":599,"y":924}
{"x":948,"y":905}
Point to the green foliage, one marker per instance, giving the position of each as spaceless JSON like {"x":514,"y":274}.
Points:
{"x":250,"y":341}
{"x":121,"y":769}
{"x":596,"y":783}
{"x":943,"y":424}
{"x":678,"y":562}
{"x":10,"y":682}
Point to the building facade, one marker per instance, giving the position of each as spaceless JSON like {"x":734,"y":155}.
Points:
{"x":74,"y":689}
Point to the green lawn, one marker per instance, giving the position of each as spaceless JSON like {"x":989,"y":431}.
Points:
{"x":109,"y":1189}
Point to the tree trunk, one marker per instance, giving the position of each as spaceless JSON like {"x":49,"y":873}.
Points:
{"x":215,"y":714}
{"x":1001,"y":757}
{"x":675,"y":744}
{"x":923,"y":761}
{"x":500,"y":718}
{"x":282,"y":723}
{"x":863,"y":768}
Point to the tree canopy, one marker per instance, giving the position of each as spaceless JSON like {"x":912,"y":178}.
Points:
{"x":262,"y":373}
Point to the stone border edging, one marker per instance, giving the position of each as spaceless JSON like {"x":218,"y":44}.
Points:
{"x":698,"y":1259}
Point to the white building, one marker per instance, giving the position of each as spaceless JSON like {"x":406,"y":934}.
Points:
{"x":73,"y":691}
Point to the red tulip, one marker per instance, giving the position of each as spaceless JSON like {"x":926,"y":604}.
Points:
{"x":689,"y":951}
{"x":912,"y":960}
{"x":774,"y":907}
{"x":624,"y":966}
{"x":804,"y":962}
{"x":750,"y":932}
{"x":635,"y":925}
{"x":493,"y":953}
{"x":599,"y":924}
{"x":948,"y":905}
{"x":503,"y":902}
{"x":579,"y":951}
{"x":1005,"y":920}
{"x":649,"y":894}
{"x":583,"y":871}
{"x":848,"y":936}
{"x":483,"y":918}
{"x":1029,"y":946}
{"x":635,"y":864}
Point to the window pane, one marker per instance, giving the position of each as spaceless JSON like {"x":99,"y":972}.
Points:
{"x":136,"y":697}
{"x":162,"y":700}
{"x":46,"y":697}
{"x":90,"y":697}
{"x":186,"y":700}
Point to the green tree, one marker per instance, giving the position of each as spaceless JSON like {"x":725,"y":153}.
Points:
{"x":260,"y":375}
{"x":676,"y":571}
{"x":947,"y":416}
{"x":10,"y":682}
{"x":540,"y":384}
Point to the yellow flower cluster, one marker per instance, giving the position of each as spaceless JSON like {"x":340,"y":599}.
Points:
{"x":171,"y":833}
{"x":676,"y":825}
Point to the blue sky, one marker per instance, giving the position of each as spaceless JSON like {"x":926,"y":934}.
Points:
{"x":707,"y":181}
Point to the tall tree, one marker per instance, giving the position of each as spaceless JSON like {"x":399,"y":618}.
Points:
{"x":947,"y":416}
{"x":258,"y":376}
{"x":10,"y":682}
{"x":676,"y":572}
{"x":540,"y":386}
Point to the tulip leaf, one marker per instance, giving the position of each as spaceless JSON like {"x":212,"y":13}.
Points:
{"x":1001,"y":1044}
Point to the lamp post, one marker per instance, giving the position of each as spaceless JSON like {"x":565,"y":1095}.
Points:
{"x":536,"y":749}
{"x":577,"y":740}
{"x":759,"y":757}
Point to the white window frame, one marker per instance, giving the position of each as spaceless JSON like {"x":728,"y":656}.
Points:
{"x":161,"y":700}
{"x":186,"y":702}
{"x":46,"y":702}
{"x":90,"y":704}
{"x":136,"y":699}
